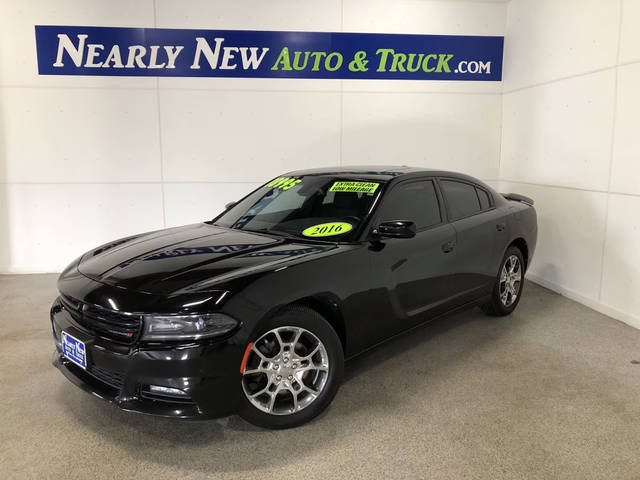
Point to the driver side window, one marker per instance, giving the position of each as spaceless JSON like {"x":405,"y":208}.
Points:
{"x":414,"y":201}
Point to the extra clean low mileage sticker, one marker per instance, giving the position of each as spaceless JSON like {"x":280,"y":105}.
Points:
{"x":327,"y":229}
{"x":355,"y":187}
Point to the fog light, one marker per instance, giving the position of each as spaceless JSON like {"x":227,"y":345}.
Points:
{"x":175,"y":392}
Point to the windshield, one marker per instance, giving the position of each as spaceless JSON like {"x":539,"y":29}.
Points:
{"x":311,"y":206}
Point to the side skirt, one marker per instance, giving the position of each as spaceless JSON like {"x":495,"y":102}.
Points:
{"x":460,"y":308}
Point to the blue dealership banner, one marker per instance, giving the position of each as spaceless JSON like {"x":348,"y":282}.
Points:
{"x":160,"y":52}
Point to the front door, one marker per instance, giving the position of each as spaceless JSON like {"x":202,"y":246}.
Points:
{"x":414,"y":273}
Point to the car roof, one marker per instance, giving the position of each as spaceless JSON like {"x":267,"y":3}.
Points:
{"x":380,"y":172}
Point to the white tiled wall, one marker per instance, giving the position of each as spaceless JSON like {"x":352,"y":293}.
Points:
{"x":447,"y":131}
{"x":246,"y":136}
{"x":553,"y":39}
{"x":193,"y":202}
{"x":294,"y":15}
{"x":629,"y":32}
{"x":560,"y":133}
{"x":571,"y":140}
{"x":625,"y":166}
{"x":427,"y":17}
{"x":50,"y":222}
{"x":571,"y":235}
{"x":18,"y":66}
{"x":621,"y":268}
{"x":79,"y":135}
{"x":87,"y":159}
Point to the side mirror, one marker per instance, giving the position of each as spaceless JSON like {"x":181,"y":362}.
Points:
{"x":395,"y":229}
{"x":230,"y":205}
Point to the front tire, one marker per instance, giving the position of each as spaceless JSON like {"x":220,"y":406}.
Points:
{"x":507,"y":290}
{"x":292,"y":369}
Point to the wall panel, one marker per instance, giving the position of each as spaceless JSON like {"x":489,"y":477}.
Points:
{"x":173,"y":151}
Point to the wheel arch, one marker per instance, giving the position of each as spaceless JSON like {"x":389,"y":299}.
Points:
{"x":521,"y":244}
{"x":325,"y":304}
{"x":329,"y":308}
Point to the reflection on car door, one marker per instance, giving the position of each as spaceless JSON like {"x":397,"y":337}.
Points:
{"x":415,"y":272}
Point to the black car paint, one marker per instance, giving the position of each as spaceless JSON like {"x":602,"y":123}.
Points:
{"x":369,"y":290}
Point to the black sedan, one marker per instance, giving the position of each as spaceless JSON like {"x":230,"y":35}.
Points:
{"x":255,"y":311}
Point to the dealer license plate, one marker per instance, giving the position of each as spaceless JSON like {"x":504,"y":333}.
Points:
{"x":74,"y":350}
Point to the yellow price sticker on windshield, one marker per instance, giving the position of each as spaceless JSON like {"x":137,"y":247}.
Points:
{"x":327,"y":229}
{"x":283,"y":183}
{"x":355,"y":187}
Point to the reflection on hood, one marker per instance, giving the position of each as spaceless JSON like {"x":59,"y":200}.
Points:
{"x":166,"y":261}
{"x":292,"y":252}
{"x":186,"y":251}
{"x":113,"y":244}
{"x":286,"y":254}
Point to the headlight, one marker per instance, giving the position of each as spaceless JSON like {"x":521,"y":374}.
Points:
{"x":186,"y":327}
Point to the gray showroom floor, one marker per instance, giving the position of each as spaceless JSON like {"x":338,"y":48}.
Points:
{"x":551,"y":392}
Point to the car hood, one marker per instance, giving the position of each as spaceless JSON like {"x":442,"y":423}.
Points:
{"x":190,"y":258}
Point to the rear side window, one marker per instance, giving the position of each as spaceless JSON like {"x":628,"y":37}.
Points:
{"x":415,"y":201}
{"x":485,"y":203}
{"x":462,"y":198}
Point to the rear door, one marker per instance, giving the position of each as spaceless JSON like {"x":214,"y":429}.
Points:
{"x":478,"y":227}
{"x":414,"y":272}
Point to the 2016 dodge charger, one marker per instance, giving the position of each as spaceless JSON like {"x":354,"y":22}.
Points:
{"x":255,"y":311}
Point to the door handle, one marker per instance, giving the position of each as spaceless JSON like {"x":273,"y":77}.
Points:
{"x":501,"y":226}
{"x":448,"y":247}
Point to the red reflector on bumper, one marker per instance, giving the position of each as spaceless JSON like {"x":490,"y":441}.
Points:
{"x":245,"y":357}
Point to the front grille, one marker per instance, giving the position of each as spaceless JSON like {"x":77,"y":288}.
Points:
{"x":111,"y":378}
{"x":118,"y":326}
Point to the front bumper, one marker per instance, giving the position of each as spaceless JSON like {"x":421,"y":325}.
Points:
{"x":207,"y":373}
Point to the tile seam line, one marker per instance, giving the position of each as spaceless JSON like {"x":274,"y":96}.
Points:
{"x":215,"y":182}
{"x":251,"y":90}
{"x":161,"y":159}
{"x":159,"y":182}
{"x":159,"y":115}
{"x":565,"y":187}
{"x":502,"y":93}
{"x":173,"y":182}
{"x":569,"y":77}
{"x":614,"y":122}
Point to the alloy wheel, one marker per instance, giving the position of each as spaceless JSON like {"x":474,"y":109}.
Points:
{"x":285,"y":371}
{"x":510,"y":280}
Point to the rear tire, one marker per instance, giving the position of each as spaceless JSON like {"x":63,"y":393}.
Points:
{"x":292,"y":371}
{"x":509,"y":284}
